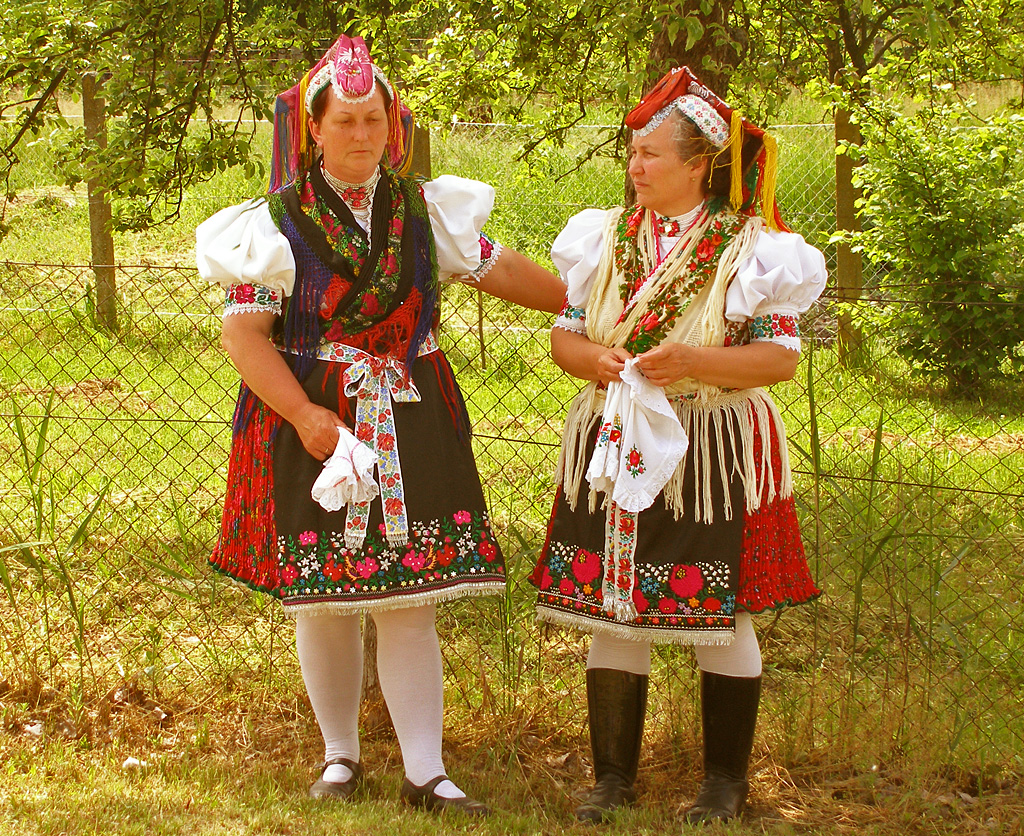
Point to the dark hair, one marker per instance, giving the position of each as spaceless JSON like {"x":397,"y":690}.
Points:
{"x":691,"y":144}
{"x":320,"y":100}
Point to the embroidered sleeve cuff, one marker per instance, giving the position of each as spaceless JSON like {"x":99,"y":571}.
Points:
{"x":783,"y":329}
{"x":489,"y":252}
{"x":571,"y":319}
{"x":251,"y":298}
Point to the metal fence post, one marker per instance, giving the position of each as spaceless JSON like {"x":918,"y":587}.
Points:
{"x":94,"y":117}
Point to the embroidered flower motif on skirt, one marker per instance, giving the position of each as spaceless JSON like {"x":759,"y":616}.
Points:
{"x":319,"y":566}
{"x":586,"y":566}
{"x":685,"y":597}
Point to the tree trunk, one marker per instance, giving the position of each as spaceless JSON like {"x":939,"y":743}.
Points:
{"x":849,"y":276}
{"x":712,"y":57}
{"x":94,"y":118}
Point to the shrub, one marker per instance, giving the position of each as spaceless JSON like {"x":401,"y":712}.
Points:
{"x":943,"y":214}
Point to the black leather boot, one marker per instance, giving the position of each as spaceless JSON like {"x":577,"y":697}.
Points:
{"x":729,"y":712}
{"x":616,"y":705}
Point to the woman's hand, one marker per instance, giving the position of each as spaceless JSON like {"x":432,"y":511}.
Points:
{"x":318,"y":429}
{"x":610,"y":363}
{"x":668,"y":363}
{"x":758,"y":363}
{"x":577,"y":355}
{"x":246,"y":338}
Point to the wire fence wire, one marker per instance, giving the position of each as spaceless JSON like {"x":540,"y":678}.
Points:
{"x":114,"y":456}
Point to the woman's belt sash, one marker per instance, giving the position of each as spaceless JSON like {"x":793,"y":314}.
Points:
{"x":376,"y":383}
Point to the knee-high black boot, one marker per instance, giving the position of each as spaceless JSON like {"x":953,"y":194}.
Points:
{"x":729,"y":711}
{"x":616,"y":705}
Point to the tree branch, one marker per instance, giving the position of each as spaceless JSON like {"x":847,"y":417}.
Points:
{"x":40,"y":102}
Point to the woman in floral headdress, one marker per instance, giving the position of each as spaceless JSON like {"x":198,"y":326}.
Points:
{"x":351,"y":486}
{"x":678,"y":310}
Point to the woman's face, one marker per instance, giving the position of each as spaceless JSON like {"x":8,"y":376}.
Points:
{"x":664,"y":182}
{"x":352,"y":136}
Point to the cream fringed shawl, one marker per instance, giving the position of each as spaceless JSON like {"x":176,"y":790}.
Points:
{"x":703,"y":410}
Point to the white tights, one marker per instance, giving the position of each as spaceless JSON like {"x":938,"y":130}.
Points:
{"x":741,"y":658}
{"x":330,"y":652}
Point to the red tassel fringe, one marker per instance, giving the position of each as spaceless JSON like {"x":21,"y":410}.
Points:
{"x":773,"y":567}
{"x":247,"y":549}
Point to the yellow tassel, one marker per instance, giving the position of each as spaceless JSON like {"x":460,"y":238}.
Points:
{"x":736,"y":165}
{"x":302,"y":126}
{"x":769,"y":178}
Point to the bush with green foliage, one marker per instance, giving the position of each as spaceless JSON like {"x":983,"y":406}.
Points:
{"x":943,"y":214}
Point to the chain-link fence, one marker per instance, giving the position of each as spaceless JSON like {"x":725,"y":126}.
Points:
{"x":114,"y":453}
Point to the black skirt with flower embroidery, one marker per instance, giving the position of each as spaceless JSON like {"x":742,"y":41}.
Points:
{"x":451,"y":551}
{"x":691,"y":577}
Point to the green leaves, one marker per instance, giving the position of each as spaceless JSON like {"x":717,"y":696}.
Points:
{"x":943,"y":212}
{"x":169,"y":72}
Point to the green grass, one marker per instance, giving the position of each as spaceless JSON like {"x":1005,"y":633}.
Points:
{"x":919,"y":573}
{"x":893,"y":692}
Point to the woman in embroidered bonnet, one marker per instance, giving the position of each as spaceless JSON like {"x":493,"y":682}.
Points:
{"x":332,"y":286}
{"x":678,"y":310}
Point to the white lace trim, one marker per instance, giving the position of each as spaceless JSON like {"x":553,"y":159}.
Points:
{"x":587,"y":624}
{"x":792,"y":343}
{"x":326,"y":75}
{"x":398,"y":600}
{"x":574,"y":325}
{"x":250,"y":307}
{"x":698,"y":111}
{"x":485,"y":266}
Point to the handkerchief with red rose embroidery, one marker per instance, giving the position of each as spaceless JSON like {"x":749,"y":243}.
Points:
{"x":639,"y":444}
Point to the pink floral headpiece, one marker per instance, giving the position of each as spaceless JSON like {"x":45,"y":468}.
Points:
{"x":348,"y":70}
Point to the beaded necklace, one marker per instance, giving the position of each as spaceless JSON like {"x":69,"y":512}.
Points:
{"x":357,"y":196}
{"x":674,"y":227}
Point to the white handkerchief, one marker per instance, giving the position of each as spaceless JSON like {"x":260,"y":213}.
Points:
{"x":640,"y":442}
{"x":347,"y":475}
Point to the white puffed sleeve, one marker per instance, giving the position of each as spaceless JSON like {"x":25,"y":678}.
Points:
{"x":781,"y":279}
{"x":458,"y":209}
{"x":576,"y":253}
{"x":242,"y":245}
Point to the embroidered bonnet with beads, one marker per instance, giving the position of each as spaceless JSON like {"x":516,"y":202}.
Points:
{"x":347,"y":69}
{"x":751,"y":186}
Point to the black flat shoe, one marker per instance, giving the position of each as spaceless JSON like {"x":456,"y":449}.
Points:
{"x":332,"y":789}
{"x":426,"y":799}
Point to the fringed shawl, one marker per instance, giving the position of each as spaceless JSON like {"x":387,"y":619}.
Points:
{"x":703,"y":410}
